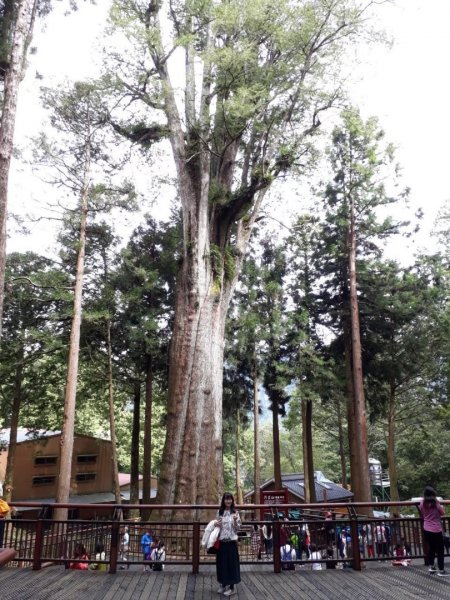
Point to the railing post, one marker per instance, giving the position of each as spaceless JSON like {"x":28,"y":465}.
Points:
{"x":196,"y":548}
{"x":115,"y":527}
{"x":276,"y":547}
{"x":39,"y":539}
{"x":355,"y":538}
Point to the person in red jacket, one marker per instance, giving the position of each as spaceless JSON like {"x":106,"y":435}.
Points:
{"x":79,"y":554}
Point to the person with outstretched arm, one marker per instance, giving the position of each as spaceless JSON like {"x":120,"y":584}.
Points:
{"x":432,"y":512}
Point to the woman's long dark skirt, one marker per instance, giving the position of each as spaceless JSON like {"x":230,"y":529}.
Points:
{"x":227,"y":564}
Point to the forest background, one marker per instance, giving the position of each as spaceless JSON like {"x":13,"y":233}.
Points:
{"x":285,"y":337}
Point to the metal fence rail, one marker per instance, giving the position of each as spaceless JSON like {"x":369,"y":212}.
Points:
{"x":351,"y":538}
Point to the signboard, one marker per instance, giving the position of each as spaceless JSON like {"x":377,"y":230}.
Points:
{"x":271,"y":497}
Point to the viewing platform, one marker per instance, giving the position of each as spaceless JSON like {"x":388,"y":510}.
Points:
{"x":383,"y":582}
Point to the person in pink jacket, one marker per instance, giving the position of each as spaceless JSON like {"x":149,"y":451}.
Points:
{"x":432,"y":512}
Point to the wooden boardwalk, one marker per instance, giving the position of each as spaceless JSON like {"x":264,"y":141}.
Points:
{"x":258,"y":582}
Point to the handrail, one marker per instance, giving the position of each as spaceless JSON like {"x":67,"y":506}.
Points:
{"x":316,"y":506}
{"x":193,"y":523}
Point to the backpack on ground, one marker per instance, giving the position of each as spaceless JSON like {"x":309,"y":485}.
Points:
{"x":286,"y":557}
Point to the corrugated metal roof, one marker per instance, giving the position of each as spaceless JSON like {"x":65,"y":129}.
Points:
{"x":294,"y":482}
{"x":98,"y":498}
{"x":332,"y":491}
{"x":26,"y":435}
{"x":126,"y":494}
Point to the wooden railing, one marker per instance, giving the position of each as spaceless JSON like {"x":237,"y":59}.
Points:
{"x":42,"y":541}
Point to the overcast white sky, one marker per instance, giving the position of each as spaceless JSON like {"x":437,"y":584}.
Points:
{"x":406,"y":86}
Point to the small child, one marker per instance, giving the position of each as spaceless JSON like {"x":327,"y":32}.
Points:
{"x":401,"y":559}
{"x":330,"y":564}
{"x":315,"y":555}
{"x":158,"y":557}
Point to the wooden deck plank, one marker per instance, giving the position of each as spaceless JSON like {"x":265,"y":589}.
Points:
{"x":148,"y":587}
{"x":383,"y":583}
{"x":182,"y":587}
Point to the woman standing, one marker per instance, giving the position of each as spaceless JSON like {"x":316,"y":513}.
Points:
{"x":227,"y":559}
{"x":256,"y":542}
{"x":268,"y":540}
{"x":432,"y":512}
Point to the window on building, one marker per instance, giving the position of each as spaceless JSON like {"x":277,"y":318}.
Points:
{"x":44,"y":480}
{"x":45,"y":460}
{"x":87,"y":459}
{"x":81,"y":477}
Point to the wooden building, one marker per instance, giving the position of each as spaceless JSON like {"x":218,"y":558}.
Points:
{"x":36,"y":469}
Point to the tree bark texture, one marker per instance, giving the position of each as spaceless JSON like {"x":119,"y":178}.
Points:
{"x":341,"y":444}
{"x":256,"y":442}
{"x":112,"y":418}
{"x":352,"y":439}
{"x":68,"y":427}
{"x":276,"y":446}
{"x":8,"y":484}
{"x":135,"y":433}
{"x":147,"y":463}
{"x":364,"y":494}
{"x":239,"y":494}
{"x":7,"y":125}
{"x":308,"y":463}
{"x":392,"y":463}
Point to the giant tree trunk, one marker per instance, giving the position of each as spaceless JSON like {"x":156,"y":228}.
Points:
{"x":14,"y":425}
{"x":308,"y":463}
{"x":352,"y":439}
{"x":147,"y":463}
{"x":358,"y":383}
{"x":239,"y":494}
{"x":276,"y":446}
{"x":191,"y":470}
{"x":256,"y":443}
{"x":215,"y":236}
{"x":7,"y":125}
{"x":68,"y":427}
{"x":135,"y":433}
{"x":392,"y":464}
{"x":341,"y":444}
{"x":112,"y":418}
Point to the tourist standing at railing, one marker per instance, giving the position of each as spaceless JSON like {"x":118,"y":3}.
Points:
{"x":4,"y":510}
{"x":146,"y":543}
{"x":255,"y":542}
{"x":302,"y":541}
{"x":284,"y":533}
{"x":368,"y":539}
{"x":329,"y":527}
{"x":227,"y":558}
{"x":381,"y":541}
{"x":432,"y":513}
{"x":124,"y":547}
{"x":268,"y":540}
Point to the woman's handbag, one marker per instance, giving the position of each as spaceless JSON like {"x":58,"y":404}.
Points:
{"x":214,"y":549}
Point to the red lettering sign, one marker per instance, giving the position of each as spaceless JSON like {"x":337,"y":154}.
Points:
{"x":273,"y":497}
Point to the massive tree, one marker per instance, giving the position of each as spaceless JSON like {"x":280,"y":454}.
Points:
{"x":237,"y":87}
